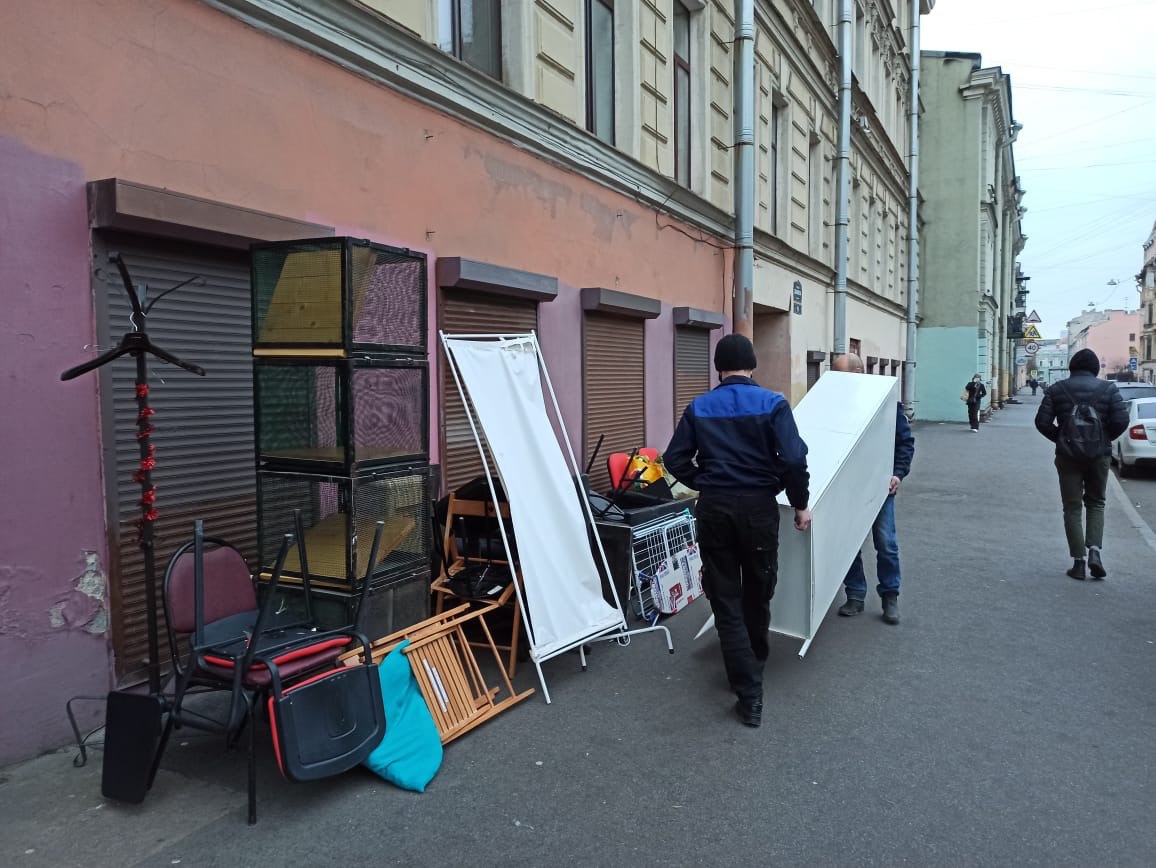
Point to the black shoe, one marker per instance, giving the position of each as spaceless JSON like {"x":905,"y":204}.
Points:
{"x":851,"y":608}
{"x":1095,"y":565}
{"x":1077,"y":570}
{"x":750,"y":713}
{"x":891,"y":608}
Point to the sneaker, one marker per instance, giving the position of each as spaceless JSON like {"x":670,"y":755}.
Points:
{"x":851,"y":608}
{"x":891,"y":608}
{"x":1077,"y":571}
{"x":1095,"y":565}
{"x":750,"y":713}
{"x":974,"y":430}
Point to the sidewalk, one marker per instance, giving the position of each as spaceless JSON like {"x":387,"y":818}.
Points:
{"x":1007,"y":720}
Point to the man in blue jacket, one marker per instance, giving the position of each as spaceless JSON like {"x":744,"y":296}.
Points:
{"x":738,"y":446}
{"x":883,"y":530}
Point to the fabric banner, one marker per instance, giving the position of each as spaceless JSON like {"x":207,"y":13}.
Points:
{"x":562,"y":588}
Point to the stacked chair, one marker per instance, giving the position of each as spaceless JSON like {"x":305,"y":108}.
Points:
{"x":257,"y":657}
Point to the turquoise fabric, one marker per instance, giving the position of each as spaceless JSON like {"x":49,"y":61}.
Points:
{"x":411,"y":752}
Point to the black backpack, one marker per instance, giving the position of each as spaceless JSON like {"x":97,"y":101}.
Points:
{"x":1082,"y":432}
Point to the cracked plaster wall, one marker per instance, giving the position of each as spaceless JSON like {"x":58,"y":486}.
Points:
{"x":53,"y":618}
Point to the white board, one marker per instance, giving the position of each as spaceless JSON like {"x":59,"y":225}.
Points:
{"x":562,"y":585}
{"x":848,"y":424}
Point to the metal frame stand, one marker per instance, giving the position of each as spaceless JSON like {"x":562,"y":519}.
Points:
{"x":619,"y":632}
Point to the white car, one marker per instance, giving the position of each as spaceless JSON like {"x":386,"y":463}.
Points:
{"x":1137,"y":445}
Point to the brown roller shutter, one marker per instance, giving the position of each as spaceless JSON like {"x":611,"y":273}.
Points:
{"x":466,"y":312}
{"x":204,"y":425}
{"x":691,"y":366}
{"x":614,"y":388}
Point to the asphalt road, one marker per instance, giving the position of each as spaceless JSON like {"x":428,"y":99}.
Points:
{"x":1007,"y":720}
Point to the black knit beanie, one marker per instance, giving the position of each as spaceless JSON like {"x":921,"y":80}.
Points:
{"x":1085,"y":360}
{"x":735,"y":353}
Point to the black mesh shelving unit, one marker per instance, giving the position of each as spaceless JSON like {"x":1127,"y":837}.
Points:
{"x":341,"y":403}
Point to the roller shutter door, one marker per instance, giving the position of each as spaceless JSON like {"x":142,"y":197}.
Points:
{"x":204,"y":425}
{"x":465,"y":312}
{"x":692,"y":366}
{"x":614,"y":388}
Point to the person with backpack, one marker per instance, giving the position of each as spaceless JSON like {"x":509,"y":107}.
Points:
{"x":973,"y":394}
{"x":1082,"y":415}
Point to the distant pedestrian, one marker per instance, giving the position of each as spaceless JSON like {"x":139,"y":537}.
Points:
{"x":738,"y":446}
{"x":1082,"y":415}
{"x":973,"y":393}
{"x":1033,"y":384}
{"x":883,"y":528}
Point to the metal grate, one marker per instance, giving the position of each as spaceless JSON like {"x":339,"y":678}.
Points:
{"x":657,"y":548}
{"x":304,"y":410}
{"x":389,"y":291}
{"x":338,"y":516}
{"x":338,"y":293}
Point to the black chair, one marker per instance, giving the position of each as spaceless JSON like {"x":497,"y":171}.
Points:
{"x":241,"y":649}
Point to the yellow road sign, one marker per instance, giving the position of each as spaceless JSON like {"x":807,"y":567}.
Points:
{"x":1031,"y":333}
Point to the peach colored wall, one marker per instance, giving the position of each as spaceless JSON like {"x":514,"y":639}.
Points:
{"x":173,"y":94}
{"x":1109,"y":340}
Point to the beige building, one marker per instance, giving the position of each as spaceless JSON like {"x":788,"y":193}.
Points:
{"x":653,"y":79}
{"x":1146,"y":349}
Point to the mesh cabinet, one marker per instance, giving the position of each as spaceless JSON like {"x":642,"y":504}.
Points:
{"x":337,"y":296}
{"x":338,"y":515}
{"x":340,"y":416}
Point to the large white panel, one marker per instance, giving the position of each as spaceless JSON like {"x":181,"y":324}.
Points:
{"x":848,"y":424}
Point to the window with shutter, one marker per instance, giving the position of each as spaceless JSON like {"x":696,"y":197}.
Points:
{"x":204,"y":426}
{"x":692,"y":367}
{"x":614,"y":388}
{"x":466,"y":312}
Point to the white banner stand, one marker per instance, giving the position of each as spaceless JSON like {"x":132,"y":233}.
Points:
{"x":848,"y":424}
{"x":560,"y":593}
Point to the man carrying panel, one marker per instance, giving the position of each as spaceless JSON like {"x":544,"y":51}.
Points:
{"x":738,"y":446}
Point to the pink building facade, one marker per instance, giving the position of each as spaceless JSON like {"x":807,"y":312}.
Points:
{"x":1114,"y":339}
{"x":177,"y":135}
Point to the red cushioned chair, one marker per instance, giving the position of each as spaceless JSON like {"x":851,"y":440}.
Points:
{"x":237,"y":647}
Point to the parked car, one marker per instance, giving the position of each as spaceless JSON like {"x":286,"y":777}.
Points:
{"x":1137,"y":445}
{"x":1132,"y":391}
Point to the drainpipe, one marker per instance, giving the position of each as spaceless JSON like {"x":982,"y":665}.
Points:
{"x":743,"y":312}
{"x":912,"y":220}
{"x":843,"y":176}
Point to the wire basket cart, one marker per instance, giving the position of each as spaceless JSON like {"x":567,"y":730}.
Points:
{"x":666,"y":574}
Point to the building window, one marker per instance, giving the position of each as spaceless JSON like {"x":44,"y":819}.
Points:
{"x":600,"y":69}
{"x":681,"y":94}
{"x":471,"y":30}
{"x":1131,"y":337}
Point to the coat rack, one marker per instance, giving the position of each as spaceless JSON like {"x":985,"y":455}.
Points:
{"x":137,"y":343}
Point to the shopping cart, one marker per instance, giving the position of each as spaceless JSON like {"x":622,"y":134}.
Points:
{"x":667,"y":569}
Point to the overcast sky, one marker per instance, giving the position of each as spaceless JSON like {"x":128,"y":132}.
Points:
{"x":1084,"y":86}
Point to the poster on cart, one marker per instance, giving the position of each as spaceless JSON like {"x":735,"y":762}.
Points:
{"x":848,"y":424}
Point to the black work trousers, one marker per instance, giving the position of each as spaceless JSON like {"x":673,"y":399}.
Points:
{"x":973,"y":415}
{"x":738,"y":537}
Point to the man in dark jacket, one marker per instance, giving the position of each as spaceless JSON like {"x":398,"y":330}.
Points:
{"x":974,"y":393}
{"x":738,"y":446}
{"x":883,"y":530}
{"x":1083,"y":481}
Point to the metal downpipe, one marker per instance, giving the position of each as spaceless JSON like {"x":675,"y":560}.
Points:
{"x":843,"y":176}
{"x":743,"y":310}
{"x":912,"y":221}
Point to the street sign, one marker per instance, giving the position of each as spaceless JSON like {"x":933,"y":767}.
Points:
{"x":1032,"y":348}
{"x":797,"y":297}
{"x":1133,"y":352}
{"x":1133,"y":363}
{"x":1033,"y":317}
{"x":1031,"y":333}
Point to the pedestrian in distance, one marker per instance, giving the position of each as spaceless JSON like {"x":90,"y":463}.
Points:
{"x":738,"y":446}
{"x":1033,"y":385}
{"x":883,"y":532}
{"x":1082,"y":415}
{"x":973,"y":393}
